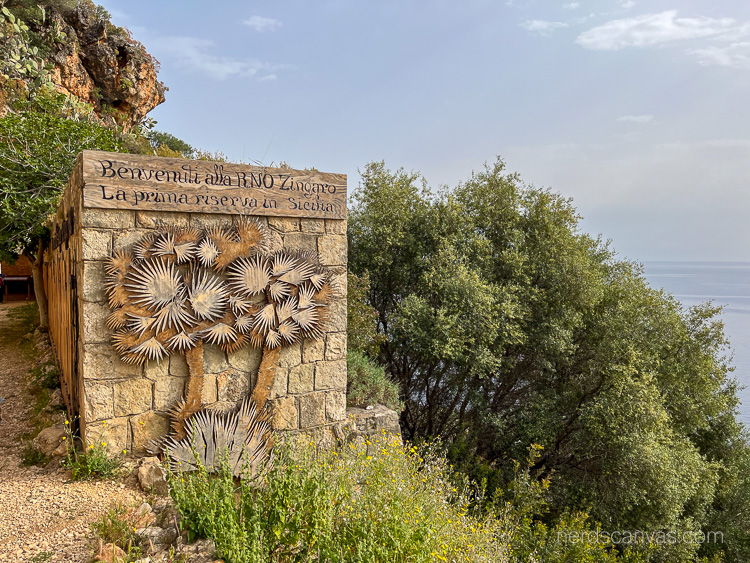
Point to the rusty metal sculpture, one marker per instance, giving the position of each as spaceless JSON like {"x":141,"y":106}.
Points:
{"x":173,"y":291}
{"x":240,"y":439}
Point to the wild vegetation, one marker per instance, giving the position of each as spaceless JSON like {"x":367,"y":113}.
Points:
{"x":506,"y":326}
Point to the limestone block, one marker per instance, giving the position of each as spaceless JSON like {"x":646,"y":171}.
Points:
{"x":178,"y":365}
{"x":339,"y":281}
{"x":285,"y":416}
{"x":301,"y":379}
{"x":245,"y":359}
{"x":312,"y":350}
{"x":97,"y":245}
{"x":335,"y":345}
{"x":336,"y":226}
{"x":113,"y":433}
{"x":290,"y":356}
{"x":204,"y":220}
{"x":300,"y":241}
{"x":335,"y":406}
{"x":122,"y":240}
{"x":146,"y":427}
{"x":233,"y":385}
{"x":94,"y":278}
{"x":98,"y":401}
{"x":274,"y":242}
{"x":332,"y":250}
{"x":154,"y":370}
{"x":336,"y":316}
{"x":324,"y":437}
{"x":94,"y":322}
{"x":159,"y":219}
{"x":280,"y":383}
{"x":100,"y":361}
{"x":208,"y":393}
{"x":107,"y":218}
{"x":132,"y":396}
{"x":167,"y":391}
{"x":284,"y":224}
{"x":330,"y":375}
{"x":373,"y":421}
{"x":214,"y":360}
{"x":313,"y":226}
{"x":312,"y":410}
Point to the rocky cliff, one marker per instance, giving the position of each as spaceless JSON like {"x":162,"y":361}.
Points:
{"x":99,"y":63}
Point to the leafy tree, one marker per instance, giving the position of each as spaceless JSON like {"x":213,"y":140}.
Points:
{"x":37,"y":156}
{"x":506,"y":326}
{"x":176,"y":147}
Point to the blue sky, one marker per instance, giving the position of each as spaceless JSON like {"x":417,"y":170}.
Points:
{"x":637,"y":110}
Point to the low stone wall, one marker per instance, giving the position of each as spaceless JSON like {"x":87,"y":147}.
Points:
{"x":371,"y":421}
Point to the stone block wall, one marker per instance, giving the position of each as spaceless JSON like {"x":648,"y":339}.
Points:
{"x":125,"y":405}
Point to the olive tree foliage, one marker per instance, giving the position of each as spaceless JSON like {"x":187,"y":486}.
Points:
{"x":507,"y":326}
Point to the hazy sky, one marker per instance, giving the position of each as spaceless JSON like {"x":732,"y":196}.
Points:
{"x":636,"y":110}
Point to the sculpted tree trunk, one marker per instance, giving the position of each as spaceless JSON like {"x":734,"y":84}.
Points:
{"x":266,"y":376}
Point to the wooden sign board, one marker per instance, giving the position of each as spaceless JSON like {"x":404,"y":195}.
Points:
{"x":125,"y":181}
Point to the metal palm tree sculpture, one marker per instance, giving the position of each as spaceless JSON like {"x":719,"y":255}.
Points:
{"x":173,"y":291}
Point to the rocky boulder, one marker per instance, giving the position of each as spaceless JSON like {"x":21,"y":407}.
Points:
{"x":152,"y":476}
{"x":51,"y":441}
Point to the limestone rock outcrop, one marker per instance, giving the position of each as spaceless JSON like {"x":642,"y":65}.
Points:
{"x":88,"y":57}
{"x":103,"y":66}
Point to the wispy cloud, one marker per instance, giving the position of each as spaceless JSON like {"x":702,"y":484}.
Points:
{"x":627,"y":4}
{"x":734,"y":55}
{"x":542,"y":26}
{"x":653,"y":29}
{"x":572,"y":6}
{"x":636,"y":118}
{"x":261,"y":24}
{"x":194,"y":54}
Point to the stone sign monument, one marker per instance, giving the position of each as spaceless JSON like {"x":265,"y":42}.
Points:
{"x":181,"y":286}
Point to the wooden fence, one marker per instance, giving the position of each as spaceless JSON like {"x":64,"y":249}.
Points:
{"x":60,"y":286}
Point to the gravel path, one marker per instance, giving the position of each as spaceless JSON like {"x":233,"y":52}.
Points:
{"x":43,"y":515}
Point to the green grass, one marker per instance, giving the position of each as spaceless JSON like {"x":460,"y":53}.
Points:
{"x":118,"y":526}
{"x":32,"y":456}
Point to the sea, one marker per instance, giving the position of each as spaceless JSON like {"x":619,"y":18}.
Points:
{"x":726,"y":284}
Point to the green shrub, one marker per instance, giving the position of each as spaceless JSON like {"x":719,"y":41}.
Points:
{"x":92,"y":463}
{"x":367,"y":383}
{"x":118,"y":526}
{"x":32,"y":456}
{"x":374,"y":501}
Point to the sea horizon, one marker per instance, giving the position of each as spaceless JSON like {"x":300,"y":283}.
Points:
{"x":724,"y":283}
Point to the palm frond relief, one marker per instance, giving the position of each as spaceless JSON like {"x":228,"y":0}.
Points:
{"x":175,"y":290}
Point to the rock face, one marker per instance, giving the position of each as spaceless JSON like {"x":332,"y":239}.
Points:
{"x":103,"y":66}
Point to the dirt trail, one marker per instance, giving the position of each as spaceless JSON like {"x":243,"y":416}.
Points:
{"x":43,"y":515}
